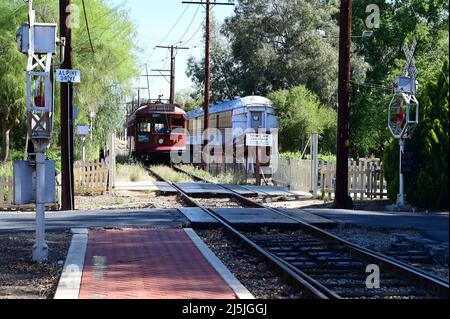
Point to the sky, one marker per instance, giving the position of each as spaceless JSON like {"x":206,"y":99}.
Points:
{"x":156,"y":23}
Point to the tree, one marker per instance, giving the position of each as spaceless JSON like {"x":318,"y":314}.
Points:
{"x":300,"y":114}
{"x":107,"y":70}
{"x":189,"y":99}
{"x":400,"y":22}
{"x":224,"y":76}
{"x":12,"y":77}
{"x":427,"y":185}
{"x":275,"y":46}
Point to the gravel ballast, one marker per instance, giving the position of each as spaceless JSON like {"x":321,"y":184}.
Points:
{"x":249,"y":269}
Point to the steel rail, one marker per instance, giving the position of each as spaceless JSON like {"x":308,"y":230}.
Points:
{"x":309,"y":286}
{"x":407,"y":272}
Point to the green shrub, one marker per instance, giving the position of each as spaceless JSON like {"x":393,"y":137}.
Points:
{"x":55,"y":155}
{"x":15,"y":155}
{"x":300,"y":114}
{"x":6,"y":170}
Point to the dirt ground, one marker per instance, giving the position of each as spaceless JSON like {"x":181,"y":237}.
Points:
{"x":20,"y":278}
{"x":126,"y":200}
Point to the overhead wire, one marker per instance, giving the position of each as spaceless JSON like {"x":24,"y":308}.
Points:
{"x":170,"y":31}
{"x":189,"y":26}
{"x":195,"y":33}
{"x":87,"y":26}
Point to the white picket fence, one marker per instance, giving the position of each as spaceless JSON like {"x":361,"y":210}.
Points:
{"x":7,"y":197}
{"x":90,"y":177}
{"x":293,"y":173}
{"x":366,"y":178}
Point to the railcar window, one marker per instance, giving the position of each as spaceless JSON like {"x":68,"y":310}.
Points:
{"x":178,"y":122}
{"x":161,"y":123}
{"x":225,"y":120}
{"x":145,"y":126}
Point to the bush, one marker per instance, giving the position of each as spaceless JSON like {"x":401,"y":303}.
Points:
{"x":301,"y":114}
{"x":427,"y":185}
{"x":6,"y":170}
{"x":55,"y":155}
{"x":15,"y":155}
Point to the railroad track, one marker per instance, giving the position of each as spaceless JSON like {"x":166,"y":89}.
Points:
{"x":325,"y":266}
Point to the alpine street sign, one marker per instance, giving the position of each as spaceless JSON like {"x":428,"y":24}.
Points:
{"x":68,"y":76}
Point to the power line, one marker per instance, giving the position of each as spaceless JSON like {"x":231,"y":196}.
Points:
{"x":189,"y":26}
{"x":170,"y":31}
{"x":87,"y":26}
{"x":373,"y":85}
{"x":195,"y":33}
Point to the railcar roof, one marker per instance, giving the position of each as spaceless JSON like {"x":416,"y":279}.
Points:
{"x":231,"y":105}
{"x":147,"y":108}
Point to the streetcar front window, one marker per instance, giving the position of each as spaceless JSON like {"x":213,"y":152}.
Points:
{"x":161,"y":124}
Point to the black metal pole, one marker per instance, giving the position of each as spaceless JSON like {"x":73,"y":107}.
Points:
{"x":66,"y":112}
{"x":342,"y":199}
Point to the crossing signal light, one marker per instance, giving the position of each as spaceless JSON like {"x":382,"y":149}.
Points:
{"x":39,"y":99}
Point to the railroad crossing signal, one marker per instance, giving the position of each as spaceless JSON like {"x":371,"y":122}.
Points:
{"x":38,"y":41}
{"x":403,"y":117}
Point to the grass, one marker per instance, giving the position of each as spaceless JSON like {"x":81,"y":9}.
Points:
{"x":131,"y":171}
{"x":120,"y":201}
{"x":221,"y":178}
{"x":170,"y":175}
{"x":296,"y":155}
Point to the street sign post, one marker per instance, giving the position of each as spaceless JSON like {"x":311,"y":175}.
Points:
{"x":258,"y":140}
{"x":83,"y":131}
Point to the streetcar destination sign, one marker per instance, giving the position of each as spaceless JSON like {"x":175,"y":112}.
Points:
{"x":262,"y":140}
{"x":68,"y":76}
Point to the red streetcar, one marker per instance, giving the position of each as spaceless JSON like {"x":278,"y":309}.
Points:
{"x":155,"y":130}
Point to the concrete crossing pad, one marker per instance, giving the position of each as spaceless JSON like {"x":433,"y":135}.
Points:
{"x":253,"y":216}
{"x":270,"y":191}
{"x":165,"y":188}
{"x":240,"y":190}
{"x":200,"y":189}
{"x":309,"y":218}
{"x":198,"y":216}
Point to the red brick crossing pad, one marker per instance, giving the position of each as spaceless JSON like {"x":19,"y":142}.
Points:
{"x":148,"y":264}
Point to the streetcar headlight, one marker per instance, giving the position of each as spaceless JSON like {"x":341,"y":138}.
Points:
{"x":161,"y":141}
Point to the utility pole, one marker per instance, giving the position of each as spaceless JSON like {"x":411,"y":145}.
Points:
{"x":207,"y":4}
{"x":342,"y":199}
{"x":172,"y":69}
{"x":207,"y":73}
{"x":148,"y":82}
{"x":139,"y":96}
{"x":68,"y":202}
